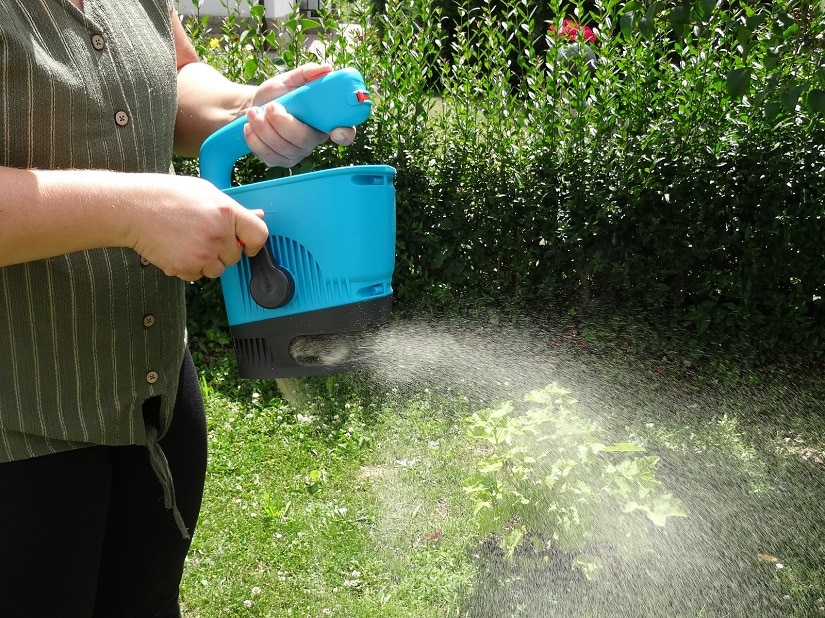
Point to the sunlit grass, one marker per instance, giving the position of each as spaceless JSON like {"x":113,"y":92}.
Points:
{"x":323,"y":511}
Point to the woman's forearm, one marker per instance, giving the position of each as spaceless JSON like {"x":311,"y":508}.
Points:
{"x":45,"y":213}
{"x":206,"y":101}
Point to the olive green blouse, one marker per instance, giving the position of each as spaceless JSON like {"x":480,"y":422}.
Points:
{"x":85,"y":338}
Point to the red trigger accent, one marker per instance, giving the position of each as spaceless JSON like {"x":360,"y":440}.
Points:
{"x":362,"y":96}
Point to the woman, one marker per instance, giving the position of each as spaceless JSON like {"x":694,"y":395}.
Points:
{"x":102,"y":431}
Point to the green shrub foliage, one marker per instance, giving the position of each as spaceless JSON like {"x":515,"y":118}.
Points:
{"x":547,"y":479}
{"x":678,"y":168}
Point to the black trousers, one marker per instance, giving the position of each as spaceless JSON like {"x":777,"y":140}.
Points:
{"x":85,"y":533}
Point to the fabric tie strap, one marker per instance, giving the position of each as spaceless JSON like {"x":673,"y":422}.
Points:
{"x":161,"y":467}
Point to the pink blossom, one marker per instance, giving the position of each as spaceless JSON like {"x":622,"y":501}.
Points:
{"x":573,"y":30}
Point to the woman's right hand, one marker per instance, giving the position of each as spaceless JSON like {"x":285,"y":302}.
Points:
{"x":189,"y":229}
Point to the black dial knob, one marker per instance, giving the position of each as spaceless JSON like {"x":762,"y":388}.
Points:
{"x":271,"y":285}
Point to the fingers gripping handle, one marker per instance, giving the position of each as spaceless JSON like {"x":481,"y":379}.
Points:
{"x":337,"y":99}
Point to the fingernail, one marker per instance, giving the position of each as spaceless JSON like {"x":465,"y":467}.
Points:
{"x":337,"y":136}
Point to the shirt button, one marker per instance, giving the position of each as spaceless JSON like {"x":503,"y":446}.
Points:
{"x":144,"y":261}
{"x":122,"y":119}
{"x":98,"y":42}
{"x":148,"y":320}
{"x":152,"y":377}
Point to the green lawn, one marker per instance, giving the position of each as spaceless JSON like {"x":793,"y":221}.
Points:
{"x":353,"y":504}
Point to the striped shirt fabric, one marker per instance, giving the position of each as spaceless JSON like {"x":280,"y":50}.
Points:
{"x":86,"y":338}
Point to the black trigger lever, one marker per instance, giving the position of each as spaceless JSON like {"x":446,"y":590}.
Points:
{"x":271,"y":286}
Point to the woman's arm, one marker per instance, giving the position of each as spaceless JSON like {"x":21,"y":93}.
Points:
{"x":207,"y":101}
{"x":182,"y":225}
{"x":46,"y":213}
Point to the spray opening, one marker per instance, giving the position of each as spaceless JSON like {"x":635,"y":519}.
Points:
{"x":327,"y":350}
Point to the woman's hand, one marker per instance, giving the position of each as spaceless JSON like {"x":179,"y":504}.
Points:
{"x":207,"y":101}
{"x":275,"y":136}
{"x":189,"y":229}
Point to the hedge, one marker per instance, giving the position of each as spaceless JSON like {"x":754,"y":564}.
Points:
{"x":681,"y":173}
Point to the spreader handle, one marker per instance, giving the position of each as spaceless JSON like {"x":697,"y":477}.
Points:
{"x":337,"y":99}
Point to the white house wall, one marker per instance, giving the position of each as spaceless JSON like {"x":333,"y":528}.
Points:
{"x":274,"y":8}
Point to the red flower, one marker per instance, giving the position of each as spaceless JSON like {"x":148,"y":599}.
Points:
{"x":573,"y":30}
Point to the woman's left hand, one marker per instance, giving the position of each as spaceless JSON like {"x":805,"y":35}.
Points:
{"x":277,"y":137}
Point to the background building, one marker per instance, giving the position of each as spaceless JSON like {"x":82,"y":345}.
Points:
{"x":274,"y":8}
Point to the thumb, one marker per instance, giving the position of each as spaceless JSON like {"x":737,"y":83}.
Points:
{"x":250,"y":230}
{"x":282,"y":83}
